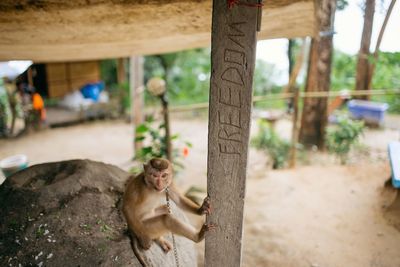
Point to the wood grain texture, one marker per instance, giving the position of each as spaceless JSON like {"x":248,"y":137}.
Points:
{"x":232,"y":59}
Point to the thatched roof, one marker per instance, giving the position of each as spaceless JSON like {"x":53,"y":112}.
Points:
{"x":50,"y":30}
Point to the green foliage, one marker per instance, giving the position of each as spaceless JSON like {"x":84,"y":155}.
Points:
{"x":4,"y":110}
{"x":343,"y":71}
{"x":341,"y":4}
{"x":121,"y":92}
{"x":386,"y":75}
{"x":187,"y":74}
{"x":263,"y":77}
{"x":268,"y":140}
{"x":153,"y":134}
{"x":108,"y":72}
{"x":387,"y":71}
{"x":341,"y":137}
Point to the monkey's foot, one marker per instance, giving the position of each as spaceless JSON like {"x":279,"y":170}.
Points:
{"x":145,"y":242}
{"x":164,"y":244}
{"x":205,"y":207}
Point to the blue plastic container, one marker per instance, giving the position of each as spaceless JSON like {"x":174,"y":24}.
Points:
{"x":92,"y":90}
{"x":13,"y":164}
{"x":394,"y":157}
{"x":370,"y":112}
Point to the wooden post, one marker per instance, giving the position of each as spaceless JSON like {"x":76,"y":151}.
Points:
{"x":136,"y":93}
{"x":121,"y":73}
{"x":291,"y":84}
{"x":30,"y":76}
{"x":295,"y":129}
{"x":233,"y":50}
{"x":164,"y":102}
{"x":68,"y":76}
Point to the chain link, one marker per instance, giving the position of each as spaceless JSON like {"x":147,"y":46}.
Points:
{"x":173,"y":236}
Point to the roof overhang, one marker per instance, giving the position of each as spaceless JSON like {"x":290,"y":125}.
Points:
{"x":64,"y":30}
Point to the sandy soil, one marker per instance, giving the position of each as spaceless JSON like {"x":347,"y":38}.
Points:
{"x":320,"y":214}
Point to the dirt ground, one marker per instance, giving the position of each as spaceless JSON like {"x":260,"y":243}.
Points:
{"x":319,"y":214}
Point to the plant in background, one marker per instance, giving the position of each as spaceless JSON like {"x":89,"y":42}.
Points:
{"x":343,"y":136}
{"x":276,"y":147}
{"x":4,"y":111}
{"x":153,"y":137}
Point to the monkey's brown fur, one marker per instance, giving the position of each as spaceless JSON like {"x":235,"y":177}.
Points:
{"x":146,"y":212}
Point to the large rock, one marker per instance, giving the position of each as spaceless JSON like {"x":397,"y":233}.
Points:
{"x":68,"y":214}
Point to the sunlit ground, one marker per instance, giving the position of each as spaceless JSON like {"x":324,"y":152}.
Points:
{"x":319,"y":214}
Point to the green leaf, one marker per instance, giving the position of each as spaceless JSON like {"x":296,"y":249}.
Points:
{"x":150,"y":119}
{"x":189,"y":144}
{"x":139,"y":138}
{"x":175,"y":136}
{"x":142,"y":128}
{"x":147,"y":150}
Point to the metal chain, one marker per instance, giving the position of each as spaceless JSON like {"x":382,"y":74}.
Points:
{"x":173,"y":236}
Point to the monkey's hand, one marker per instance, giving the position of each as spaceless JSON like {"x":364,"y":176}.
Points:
{"x":161,"y":210}
{"x":205,"y":207}
{"x":205,"y":228}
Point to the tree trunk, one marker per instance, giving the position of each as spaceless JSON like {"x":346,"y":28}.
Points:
{"x":314,"y":117}
{"x":363,"y":66}
{"x":378,"y":44}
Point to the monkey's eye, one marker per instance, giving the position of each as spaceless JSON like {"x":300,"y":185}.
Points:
{"x":164,"y":175}
{"x":154,"y":175}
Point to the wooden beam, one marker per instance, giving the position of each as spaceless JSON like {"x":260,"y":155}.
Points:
{"x":233,"y":50}
{"x":112,"y":29}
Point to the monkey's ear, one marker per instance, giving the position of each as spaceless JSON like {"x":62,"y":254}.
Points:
{"x":145,"y":167}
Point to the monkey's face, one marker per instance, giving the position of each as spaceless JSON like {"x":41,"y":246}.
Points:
{"x":158,"y":174}
{"x":159,"y":180}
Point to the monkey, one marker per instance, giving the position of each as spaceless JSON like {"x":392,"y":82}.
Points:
{"x":147,"y":213}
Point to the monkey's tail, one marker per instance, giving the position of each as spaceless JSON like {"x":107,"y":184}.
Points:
{"x":141,"y":258}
